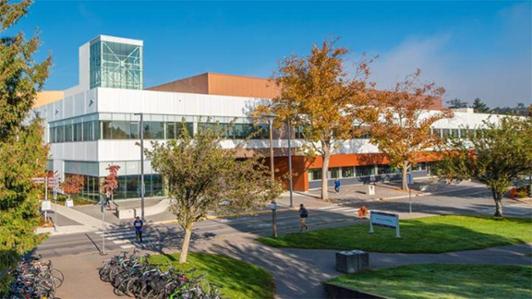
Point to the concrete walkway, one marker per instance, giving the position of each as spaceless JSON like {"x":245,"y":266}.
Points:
{"x":298,"y":273}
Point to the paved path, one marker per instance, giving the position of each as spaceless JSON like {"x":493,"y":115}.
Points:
{"x":298,"y":273}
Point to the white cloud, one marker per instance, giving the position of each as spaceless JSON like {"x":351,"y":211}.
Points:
{"x":503,"y":79}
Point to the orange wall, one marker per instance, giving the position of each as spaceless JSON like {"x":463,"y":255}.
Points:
{"x":46,"y":97}
{"x":300,"y":165}
{"x":223,"y":84}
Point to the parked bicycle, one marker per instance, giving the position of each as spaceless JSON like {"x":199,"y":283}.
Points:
{"x":35,"y":279}
{"x":132,"y":275}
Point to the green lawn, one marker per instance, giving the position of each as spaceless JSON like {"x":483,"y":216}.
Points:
{"x":423,"y":235}
{"x":443,"y":281}
{"x":235,"y":278}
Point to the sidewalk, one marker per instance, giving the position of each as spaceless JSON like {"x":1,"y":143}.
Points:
{"x":298,"y":273}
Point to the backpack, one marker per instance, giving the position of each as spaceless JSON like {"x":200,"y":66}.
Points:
{"x":303,"y":213}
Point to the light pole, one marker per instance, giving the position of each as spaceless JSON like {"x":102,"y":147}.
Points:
{"x":141,"y":136}
{"x":289,"y":126}
{"x":270,"y":118}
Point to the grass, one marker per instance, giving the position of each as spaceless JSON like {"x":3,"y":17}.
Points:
{"x":78,"y":200}
{"x":423,"y":235}
{"x":235,"y":278}
{"x":443,"y":281}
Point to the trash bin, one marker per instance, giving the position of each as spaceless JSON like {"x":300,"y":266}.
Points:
{"x":352,"y":261}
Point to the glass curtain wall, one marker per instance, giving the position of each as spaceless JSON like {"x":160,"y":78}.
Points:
{"x":115,"y":65}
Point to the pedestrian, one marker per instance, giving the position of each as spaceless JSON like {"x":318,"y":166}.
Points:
{"x":337,"y":185}
{"x":303,"y":215}
{"x":138,"y":228}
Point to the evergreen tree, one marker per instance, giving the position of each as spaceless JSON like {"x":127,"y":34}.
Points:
{"x":479,"y":106}
{"x":22,"y":151}
{"x":456,"y":103}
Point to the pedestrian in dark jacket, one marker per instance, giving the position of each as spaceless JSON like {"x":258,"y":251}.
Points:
{"x":303,"y":215}
{"x":138,"y":224}
{"x":337,"y":185}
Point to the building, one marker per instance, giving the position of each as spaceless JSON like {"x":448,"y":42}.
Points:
{"x":96,"y":123}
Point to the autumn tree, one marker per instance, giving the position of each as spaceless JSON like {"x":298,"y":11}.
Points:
{"x":320,"y":97}
{"x":495,"y":156}
{"x":401,"y":120}
{"x":110,"y":182}
{"x":22,"y":150}
{"x":202,"y":176}
{"x":72,"y":185}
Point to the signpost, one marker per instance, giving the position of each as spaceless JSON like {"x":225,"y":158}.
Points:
{"x":386,"y":220}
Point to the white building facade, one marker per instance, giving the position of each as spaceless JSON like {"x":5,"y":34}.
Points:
{"x":96,"y":124}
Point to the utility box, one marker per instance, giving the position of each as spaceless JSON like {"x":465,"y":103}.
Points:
{"x":371,"y":190}
{"x":352,"y":261}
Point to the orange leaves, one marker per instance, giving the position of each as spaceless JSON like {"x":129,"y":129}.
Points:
{"x":111,"y":183}
{"x":73,"y":184}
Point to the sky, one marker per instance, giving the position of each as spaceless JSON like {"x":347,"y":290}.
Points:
{"x":471,"y":48}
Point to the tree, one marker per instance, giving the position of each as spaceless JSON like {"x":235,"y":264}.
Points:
{"x":318,"y":96}
{"x":496,"y":156}
{"x":456,"y":103}
{"x":202,"y":177}
{"x":400,"y":124}
{"x":110,"y":182}
{"x":22,"y":150}
{"x":479,"y":106}
{"x":73,"y":184}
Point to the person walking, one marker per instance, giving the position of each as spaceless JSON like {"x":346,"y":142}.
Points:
{"x":303,"y":215}
{"x":138,"y":224}
{"x":337,"y":185}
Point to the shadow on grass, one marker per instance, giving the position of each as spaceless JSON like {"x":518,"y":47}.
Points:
{"x":236,"y":278}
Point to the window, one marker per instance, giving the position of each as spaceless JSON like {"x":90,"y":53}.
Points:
{"x":384,"y":169}
{"x":436,"y":132}
{"x":446,"y":133}
{"x":87,"y":131}
{"x":154,"y":130}
{"x":51,"y":135}
{"x":314,"y":174}
{"x":134,"y":130}
{"x":335,"y":172}
{"x":68,"y":133}
{"x":60,"y":134}
{"x":348,"y":172}
{"x":463,"y":133}
{"x":300,"y":133}
{"x":175,"y":130}
{"x":77,"y":132}
{"x":365,"y":170}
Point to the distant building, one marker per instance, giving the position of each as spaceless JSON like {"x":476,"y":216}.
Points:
{"x":93,"y":124}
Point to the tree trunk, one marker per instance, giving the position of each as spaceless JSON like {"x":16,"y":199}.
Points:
{"x":325,"y":176}
{"x":497,"y":197}
{"x":404,"y":180}
{"x":186,"y":244}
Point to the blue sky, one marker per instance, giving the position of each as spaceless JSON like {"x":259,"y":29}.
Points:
{"x":473,"y":49}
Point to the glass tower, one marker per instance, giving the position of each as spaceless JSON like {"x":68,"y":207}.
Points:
{"x":115,"y":65}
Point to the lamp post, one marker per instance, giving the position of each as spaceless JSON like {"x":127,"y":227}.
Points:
{"x":141,"y":136}
{"x":270,"y":118}
{"x":289,"y":131}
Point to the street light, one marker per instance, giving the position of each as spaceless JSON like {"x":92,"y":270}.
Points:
{"x":270,"y":117}
{"x":289,"y":126}
{"x":141,"y":135}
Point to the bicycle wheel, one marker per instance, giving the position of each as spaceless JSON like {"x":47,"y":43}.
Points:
{"x":57,"y":277}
